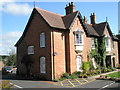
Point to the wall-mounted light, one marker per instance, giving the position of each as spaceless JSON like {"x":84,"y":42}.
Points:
{"x":55,"y":53}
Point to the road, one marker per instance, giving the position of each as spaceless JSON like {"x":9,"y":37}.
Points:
{"x":95,"y":85}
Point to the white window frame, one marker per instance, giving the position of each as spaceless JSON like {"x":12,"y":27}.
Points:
{"x":79,"y":64}
{"x":42,"y":39}
{"x":30,"y":49}
{"x":80,"y":37}
{"x":42,"y":65}
{"x":93,"y":43}
{"x":107,"y":41}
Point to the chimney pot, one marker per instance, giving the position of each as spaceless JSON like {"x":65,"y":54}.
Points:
{"x":70,"y":8}
{"x":93,"y":18}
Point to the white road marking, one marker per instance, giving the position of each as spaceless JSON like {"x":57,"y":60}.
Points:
{"x":106,"y":86}
{"x":17,"y":86}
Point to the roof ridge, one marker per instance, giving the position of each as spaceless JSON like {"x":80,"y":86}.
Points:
{"x":49,"y":11}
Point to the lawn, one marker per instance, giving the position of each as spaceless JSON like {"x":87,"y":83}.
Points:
{"x":116,"y":74}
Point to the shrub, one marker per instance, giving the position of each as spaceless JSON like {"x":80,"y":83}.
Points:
{"x":104,"y":69}
{"x":66,"y":75}
{"x":77,"y":73}
{"x":85,"y":66}
{"x":61,"y":79}
{"x":73,"y":76}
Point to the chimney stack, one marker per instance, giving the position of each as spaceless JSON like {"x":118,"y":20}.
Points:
{"x":70,"y":8}
{"x":93,"y":18}
{"x":85,"y":19}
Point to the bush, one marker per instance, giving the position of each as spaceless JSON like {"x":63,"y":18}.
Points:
{"x":65,"y":75}
{"x":61,"y":79}
{"x":85,"y":66}
{"x":77,"y":73}
{"x":104,"y":69}
{"x":73,"y":76}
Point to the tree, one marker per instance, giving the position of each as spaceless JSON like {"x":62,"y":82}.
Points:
{"x":10,"y":60}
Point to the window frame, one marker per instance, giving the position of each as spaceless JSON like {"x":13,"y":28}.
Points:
{"x":80,"y":36}
{"x":42,"y":41}
{"x":29,"y":49}
{"x":42,"y":69}
{"x":93,"y":43}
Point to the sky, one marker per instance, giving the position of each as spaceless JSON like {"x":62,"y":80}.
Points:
{"x":14,"y":17}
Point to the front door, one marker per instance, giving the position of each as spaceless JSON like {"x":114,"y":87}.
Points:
{"x":79,"y":63}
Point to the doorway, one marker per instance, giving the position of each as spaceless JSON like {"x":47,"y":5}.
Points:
{"x":79,"y":62}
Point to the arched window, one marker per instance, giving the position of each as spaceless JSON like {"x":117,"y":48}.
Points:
{"x":79,"y":62}
{"x":42,"y":40}
{"x":42,"y":65}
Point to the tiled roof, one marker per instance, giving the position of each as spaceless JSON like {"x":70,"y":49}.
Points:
{"x":91,"y":30}
{"x":54,"y":20}
{"x":68,"y":19}
{"x":99,"y":28}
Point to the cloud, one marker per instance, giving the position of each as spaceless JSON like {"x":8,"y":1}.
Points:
{"x":16,"y":8}
{"x":8,"y":41}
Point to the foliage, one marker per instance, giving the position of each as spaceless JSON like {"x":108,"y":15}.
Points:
{"x":65,"y":75}
{"x":73,"y":76}
{"x":102,"y":50}
{"x":116,"y":74}
{"x":99,"y":53}
{"x":77,"y":73}
{"x":85,"y":66}
{"x":11,"y":60}
{"x":6,"y":84}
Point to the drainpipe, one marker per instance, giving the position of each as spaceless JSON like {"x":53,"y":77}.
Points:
{"x":53,"y":72}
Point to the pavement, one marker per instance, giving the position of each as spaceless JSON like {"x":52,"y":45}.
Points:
{"x":81,"y":81}
{"x":89,"y":82}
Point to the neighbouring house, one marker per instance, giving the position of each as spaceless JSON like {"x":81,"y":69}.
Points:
{"x":53,"y":44}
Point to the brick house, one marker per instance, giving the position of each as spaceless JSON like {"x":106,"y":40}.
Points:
{"x":57,"y":44}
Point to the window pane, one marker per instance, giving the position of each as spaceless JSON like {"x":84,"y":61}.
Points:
{"x":30,"y":49}
{"x":78,"y":38}
{"x":42,"y":40}
{"x":42,"y":65}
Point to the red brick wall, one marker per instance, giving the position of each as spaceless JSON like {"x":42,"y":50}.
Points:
{"x":59,"y":47}
{"x":86,"y":46}
{"x":37,"y":26}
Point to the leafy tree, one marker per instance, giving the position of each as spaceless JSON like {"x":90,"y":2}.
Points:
{"x":10,"y":60}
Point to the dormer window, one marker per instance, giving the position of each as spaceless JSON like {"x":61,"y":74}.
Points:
{"x":78,"y":37}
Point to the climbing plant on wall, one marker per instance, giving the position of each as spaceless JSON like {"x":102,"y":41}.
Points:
{"x":99,"y":52}
{"x":102,"y":50}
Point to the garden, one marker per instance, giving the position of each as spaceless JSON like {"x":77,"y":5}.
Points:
{"x":88,"y":71}
{"x":91,"y":68}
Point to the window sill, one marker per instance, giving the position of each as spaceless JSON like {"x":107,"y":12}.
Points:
{"x":78,"y":44}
